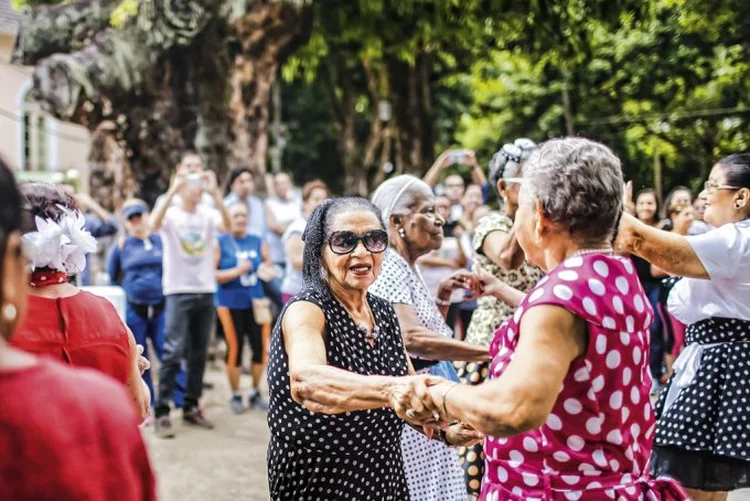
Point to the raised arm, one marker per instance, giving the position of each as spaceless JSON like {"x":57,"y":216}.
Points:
{"x":433,"y":174}
{"x":427,"y":344}
{"x":668,"y":251}
{"x":522,"y":398}
{"x":324,"y":389}
{"x":213,"y":189}
{"x":157,"y":216}
{"x":502,"y":249}
{"x":477,"y":174}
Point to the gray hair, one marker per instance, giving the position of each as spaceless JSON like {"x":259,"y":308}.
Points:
{"x":399,"y":195}
{"x":579,"y":184}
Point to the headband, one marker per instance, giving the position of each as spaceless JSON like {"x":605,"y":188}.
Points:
{"x":399,"y":195}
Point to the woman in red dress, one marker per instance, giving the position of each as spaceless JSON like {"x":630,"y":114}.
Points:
{"x":64,"y":322}
{"x":65,"y":434}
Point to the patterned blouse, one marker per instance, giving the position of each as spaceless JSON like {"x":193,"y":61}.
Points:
{"x":491,"y":312}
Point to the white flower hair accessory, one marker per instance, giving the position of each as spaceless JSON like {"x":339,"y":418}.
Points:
{"x":60,"y":245}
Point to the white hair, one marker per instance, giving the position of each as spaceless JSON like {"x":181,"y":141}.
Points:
{"x":398,"y":196}
{"x":579,"y":183}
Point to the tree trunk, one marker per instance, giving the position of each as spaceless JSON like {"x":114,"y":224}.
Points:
{"x":163,"y":80}
{"x":265,"y":34}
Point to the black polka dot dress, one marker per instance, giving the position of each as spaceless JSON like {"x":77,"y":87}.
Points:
{"x":350,"y":456}
{"x":712,"y":414}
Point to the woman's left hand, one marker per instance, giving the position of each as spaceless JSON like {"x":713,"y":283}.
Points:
{"x":143,"y":363}
{"x":462,"y":435}
{"x":266,"y":272}
{"x":460,"y":279}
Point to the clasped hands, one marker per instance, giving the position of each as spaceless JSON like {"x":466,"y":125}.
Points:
{"x":474,"y":284}
{"x":419,"y":400}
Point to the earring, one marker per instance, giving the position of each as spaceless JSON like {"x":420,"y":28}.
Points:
{"x":402,"y":232}
{"x":9,"y":312}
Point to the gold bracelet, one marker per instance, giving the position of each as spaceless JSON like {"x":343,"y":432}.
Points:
{"x":445,"y":395}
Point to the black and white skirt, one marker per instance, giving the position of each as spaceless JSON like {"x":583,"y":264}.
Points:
{"x":703,"y":428}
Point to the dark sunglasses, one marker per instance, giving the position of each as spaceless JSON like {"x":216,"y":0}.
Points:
{"x":344,"y":242}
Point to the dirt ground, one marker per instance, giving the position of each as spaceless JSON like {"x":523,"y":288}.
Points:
{"x":227,"y":463}
{"x":224,"y":464}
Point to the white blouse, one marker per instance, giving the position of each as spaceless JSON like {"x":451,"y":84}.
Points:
{"x":725,"y":253}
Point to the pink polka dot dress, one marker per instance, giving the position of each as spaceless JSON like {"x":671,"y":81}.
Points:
{"x":597,"y":440}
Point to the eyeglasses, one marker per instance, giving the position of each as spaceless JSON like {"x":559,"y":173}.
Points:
{"x":344,"y":242}
{"x":711,"y":186}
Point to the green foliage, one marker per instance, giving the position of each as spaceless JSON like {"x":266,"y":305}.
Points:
{"x":666,"y":78}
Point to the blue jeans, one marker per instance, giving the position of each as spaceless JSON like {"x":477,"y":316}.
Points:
{"x":144,"y":328}
{"x":190,"y":320}
{"x":658,"y":340}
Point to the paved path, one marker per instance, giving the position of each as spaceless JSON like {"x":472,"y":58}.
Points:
{"x":225,"y":464}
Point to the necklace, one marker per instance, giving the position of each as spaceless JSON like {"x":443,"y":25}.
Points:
{"x":371,"y":336}
{"x":608,"y":251}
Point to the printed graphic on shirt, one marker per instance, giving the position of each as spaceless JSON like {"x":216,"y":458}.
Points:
{"x":192,"y":236}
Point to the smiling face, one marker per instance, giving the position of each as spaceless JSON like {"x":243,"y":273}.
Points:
{"x":682,"y":220}
{"x":724,"y":205}
{"x":358,"y":269}
{"x":646,"y":207}
{"x":238,"y":216}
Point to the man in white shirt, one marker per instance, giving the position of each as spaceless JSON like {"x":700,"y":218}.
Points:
{"x":188,"y":229}
{"x":242,"y":189}
{"x":191,"y":164}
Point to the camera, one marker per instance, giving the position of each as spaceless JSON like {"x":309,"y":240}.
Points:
{"x":195,"y":180}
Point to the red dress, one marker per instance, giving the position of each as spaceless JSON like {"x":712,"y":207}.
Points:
{"x":82,"y":330}
{"x":69,"y":434}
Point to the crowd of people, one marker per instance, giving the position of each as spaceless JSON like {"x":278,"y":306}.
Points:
{"x":541,"y":333}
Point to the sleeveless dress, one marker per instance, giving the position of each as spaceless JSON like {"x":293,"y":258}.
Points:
{"x":354,"y":455}
{"x":596,"y":442}
{"x":487,"y":318}
{"x":82,"y":330}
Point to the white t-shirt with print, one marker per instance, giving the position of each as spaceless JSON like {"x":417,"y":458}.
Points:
{"x":188,"y":239}
{"x":725,"y":253}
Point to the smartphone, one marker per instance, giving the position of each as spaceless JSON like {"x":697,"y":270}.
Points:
{"x":195,"y":180}
{"x":458,"y":156}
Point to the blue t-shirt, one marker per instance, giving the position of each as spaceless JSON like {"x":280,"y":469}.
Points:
{"x":137,"y":268}
{"x":239,"y":293}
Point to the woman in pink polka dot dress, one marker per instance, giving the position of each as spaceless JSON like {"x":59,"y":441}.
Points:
{"x":567,"y":412}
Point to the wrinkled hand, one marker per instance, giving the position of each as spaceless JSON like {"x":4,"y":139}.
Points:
{"x":178,"y":181}
{"x":460,"y":279}
{"x":266,"y":272}
{"x":210,"y":183}
{"x":626,"y":239}
{"x":490,"y":285}
{"x":463,"y":435}
{"x":143,"y":363}
{"x":627,"y":199}
{"x":410,"y":398}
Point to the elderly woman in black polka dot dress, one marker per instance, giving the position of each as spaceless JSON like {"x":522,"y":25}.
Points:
{"x":703,"y":432}
{"x":338,"y":372}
